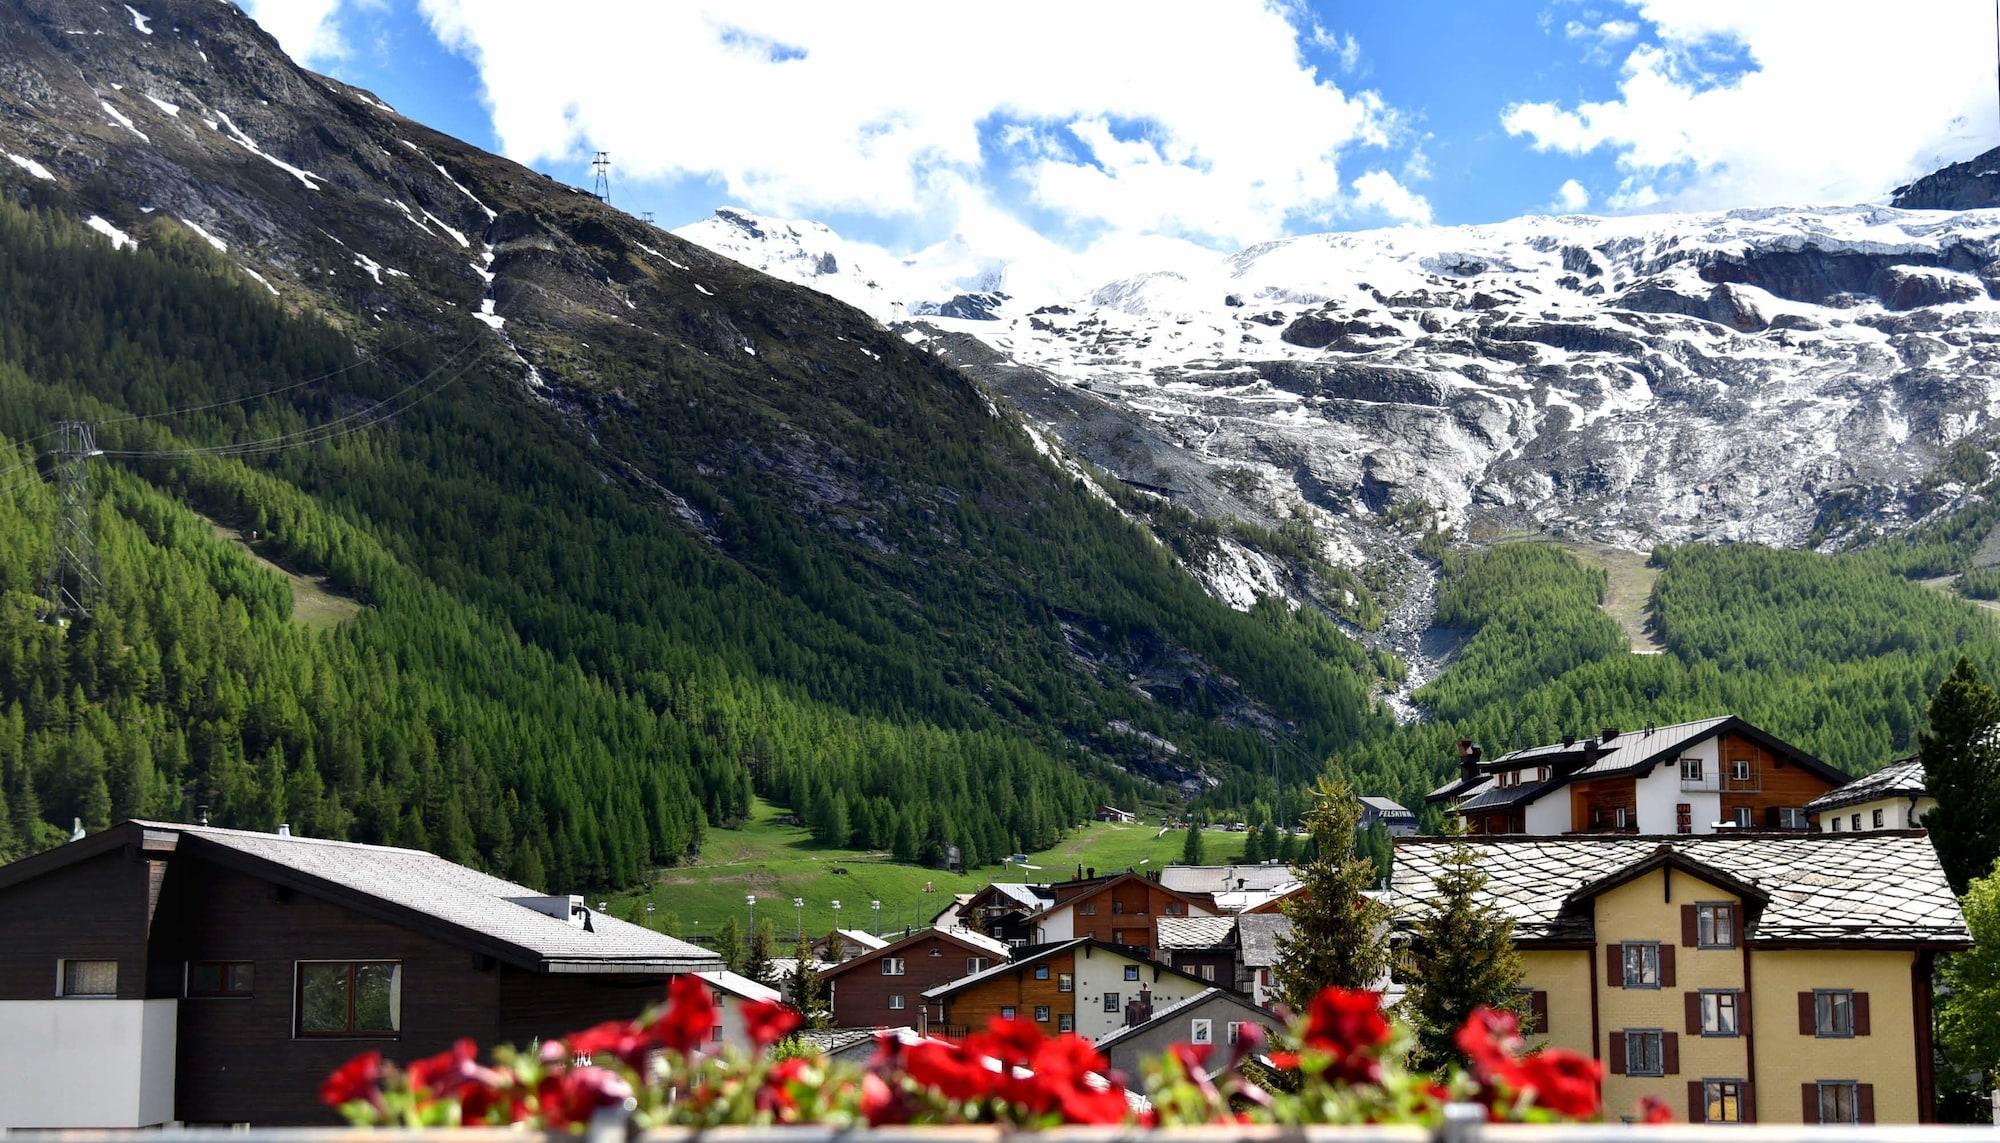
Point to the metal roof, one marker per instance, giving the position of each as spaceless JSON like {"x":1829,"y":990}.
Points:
{"x":1899,"y":779}
{"x":741,"y":986}
{"x":1200,"y":999}
{"x":425,"y":886}
{"x":1223,"y":878}
{"x":1387,"y":807}
{"x":1884,"y":887}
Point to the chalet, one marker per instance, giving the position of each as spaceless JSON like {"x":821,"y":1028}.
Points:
{"x":1740,"y":977}
{"x":1399,"y":821}
{"x":1114,"y":814}
{"x":845,"y":944}
{"x":884,"y":987}
{"x":1239,"y":952}
{"x":154,"y":972}
{"x":1081,"y":985}
{"x":1120,"y":910}
{"x":731,"y":993}
{"x":1690,"y":778}
{"x":1212,"y":1016}
{"x":1894,"y":797}
{"x":1004,"y":911}
{"x":1233,"y":888}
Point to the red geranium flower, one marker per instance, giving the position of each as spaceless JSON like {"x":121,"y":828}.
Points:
{"x":768,"y":1021}
{"x":619,"y":1039}
{"x":1491,"y":1041}
{"x":883,"y":1105}
{"x":950,"y":1070}
{"x":572,"y":1097}
{"x":775,"y":1097}
{"x":450,"y":1070}
{"x":1561,"y":1081}
{"x":358,"y":1079}
{"x":1653,"y":1109}
{"x":689,"y":1015}
{"x":1347,"y":1024}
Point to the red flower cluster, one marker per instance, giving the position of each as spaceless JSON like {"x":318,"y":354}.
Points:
{"x":1554,"y":1079}
{"x":1013,"y":1061}
{"x":1347,"y":1025}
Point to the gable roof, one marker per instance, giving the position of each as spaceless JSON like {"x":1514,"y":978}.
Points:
{"x":1667,"y":857}
{"x":1903,"y":778}
{"x":1386,"y":808}
{"x":1187,"y":1009}
{"x":742,"y":986}
{"x":865,"y":940}
{"x":1029,"y":959}
{"x":970,"y":941}
{"x":1062,"y":902}
{"x":409,"y":888}
{"x":1883,"y":889}
{"x":1223,"y":878}
{"x":1196,"y":932}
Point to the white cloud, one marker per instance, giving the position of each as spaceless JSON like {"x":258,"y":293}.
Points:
{"x":1570,"y":197}
{"x":306,"y":29}
{"x":1344,"y":48}
{"x":1379,"y":190}
{"x":1115,"y":122}
{"x":1835,"y":107}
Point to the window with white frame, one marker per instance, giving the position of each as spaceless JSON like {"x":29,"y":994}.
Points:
{"x":1691,"y":769}
{"x":1111,"y":1002}
{"x":1718,"y":1013}
{"x":894,"y":966}
{"x":896,"y":1001}
{"x":976,"y":964}
{"x":1201,"y":1031}
{"x":1065,"y":1022}
{"x":1742,"y":817}
{"x":1208,"y":972}
{"x":1235,"y":1030}
{"x":1739,"y":769}
{"x":1131,"y":972}
{"x":1007,"y":1013}
{"x":1065,"y":982}
{"x":1041,"y":1013}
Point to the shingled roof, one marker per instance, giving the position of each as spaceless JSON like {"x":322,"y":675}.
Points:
{"x":1900,"y":779}
{"x":1882,"y":888}
{"x":1196,"y":932}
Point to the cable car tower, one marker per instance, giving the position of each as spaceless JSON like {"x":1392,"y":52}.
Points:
{"x":74,"y":584}
{"x":601,"y":168}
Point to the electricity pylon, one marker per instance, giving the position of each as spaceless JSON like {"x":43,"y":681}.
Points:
{"x":73,"y":584}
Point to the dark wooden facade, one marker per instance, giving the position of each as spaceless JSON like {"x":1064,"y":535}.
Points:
{"x":862,"y":996}
{"x":1125,"y":911}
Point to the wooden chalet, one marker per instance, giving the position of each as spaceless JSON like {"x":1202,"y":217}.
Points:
{"x":884,"y":987}
{"x":1121,"y":910}
{"x":1082,"y":985}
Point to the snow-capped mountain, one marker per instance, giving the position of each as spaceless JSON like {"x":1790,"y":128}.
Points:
{"x":1734,"y":375}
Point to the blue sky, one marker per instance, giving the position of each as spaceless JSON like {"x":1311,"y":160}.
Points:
{"x":1121,"y":133}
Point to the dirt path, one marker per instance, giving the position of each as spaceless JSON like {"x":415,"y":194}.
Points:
{"x":1628,"y":588}
{"x":1945,"y":584}
{"x":313,"y":603}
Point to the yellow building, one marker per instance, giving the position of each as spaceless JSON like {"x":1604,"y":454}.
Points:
{"x":1778,"y":978}
{"x":1893,"y":797}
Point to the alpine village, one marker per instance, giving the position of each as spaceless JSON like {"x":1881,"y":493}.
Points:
{"x":471,"y":654}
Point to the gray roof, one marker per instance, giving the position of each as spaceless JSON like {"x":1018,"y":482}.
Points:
{"x":1627,"y":751}
{"x":474,"y":903}
{"x":1386,"y":807}
{"x":1900,"y":779}
{"x":1884,"y":887}
{"x":1188,"y":1007}
{"x":1492,"y":795}
{"x":1196,"y":932}
{"x":1257,"y":936}
{"x":1223,"y":878}
{"x":1022,"y":892}
{"x":837,"y":1042}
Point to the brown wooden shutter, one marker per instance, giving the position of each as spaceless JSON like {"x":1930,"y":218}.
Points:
{"x":1670,"y":1053}
{"x":1861,"y":1013}
{"x":1864,"y":1102}
{"x":1666,"y":966}
{"x":1697,"y":1113}
{"x":1748,"y":1102}
{"x":1614,"y":966}
{"x":1809,"y":1102}
{"x":1808,"y":1023}
{"x":1743,"y":1012}
{"x":1617,"y":1053}
{"x":1538,"y":1011}
{"x":1694,"y":1013}
{"x":1736,"y":936}
{"x":1690,"y":927}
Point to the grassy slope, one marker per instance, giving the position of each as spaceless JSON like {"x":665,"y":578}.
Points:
{"x":778,"y":863}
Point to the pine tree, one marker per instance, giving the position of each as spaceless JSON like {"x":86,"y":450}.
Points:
{"x":1339,"y":935}
{"x":729,"y":945}
{"x":1969,"y":1001}
{"x":1191,"y":848}
{"x":1961,"y":757}
{"x":757,"y":960}
{"x":806,"y":992}
{"x":1460,"y":955}
{"x":1253,"y":847}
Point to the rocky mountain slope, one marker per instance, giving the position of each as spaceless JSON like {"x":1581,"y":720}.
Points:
{"x":820,"y":560}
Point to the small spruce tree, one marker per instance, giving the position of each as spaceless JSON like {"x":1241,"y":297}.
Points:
{"x":729,"y":944}
{"x":806,"y":992}
{"x":1191,"y":848}
{"x":1253,"y":847}
{"x":1969,"y":1002}
{"x":1460,"y":956}
{"x":1962,"y":769}
{"x":1339,"y":934}
{"x":757,"y":958}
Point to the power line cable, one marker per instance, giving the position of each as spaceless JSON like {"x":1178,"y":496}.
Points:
{"x":365,"y":359}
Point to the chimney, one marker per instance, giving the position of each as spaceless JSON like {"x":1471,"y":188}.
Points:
{"x":1606,"y":734}
{"x":284,"y":829}
{"x":1569,"y":740}
{"x":1468,"y":759}
{"x":1239,"y":884}
{"x":201,"y":815}
{"x":1093,"y":872}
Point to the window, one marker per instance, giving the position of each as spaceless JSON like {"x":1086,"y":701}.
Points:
{"x":1208,"y":972}
{"x":1722,"y":1101}
{"x":1684,"y":818}
{"x":1791,"y":817}
{"x":893,"y":966}
{"x":88,"y":977}
{"x":1201,"y":1031}
{"x":1041,"y":1013}
{"x":1131,"y":972}
{"x":1042,"y":971}
{"x":935,"y":951}
{"x":715,"y":1034}
{"x":1856,"y":823}
{"x":1235,"y":1028}
{"x":1739,"y":769}
{"x":218,"y":978}
{"x":1643,"y":1055}
{"x":1088,"y":908}
{"x":1642,"y":964}
{"x":1690,"y":769}
{"x":976,"y":964}
{"x":896,"y":1001}
{"x":1715,"y":925}
{"x":1065,"y":982}
{"x":1111,"y":1002}
{"x":1007,"y":1013}
{"x":1833,"y":1015}
{"x":1742,"y":817}
{"x":1877,"y":823}
{"x":1837,"y":1103}
{"x":1620,"y":817}
{"x":1718,"y":1013}
{"x":1835,"y":823}
{"x":1065,"y":1023}
{"x":1175,"y":908}
{"x":350,"y":998}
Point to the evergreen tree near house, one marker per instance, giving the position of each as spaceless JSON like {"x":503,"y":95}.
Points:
{"x":1460,"y":956}
{"x":806,"y":992}
{"x":1339,"y":935}
{"x":1969,"y":992}
{"x":757,"y":958}
{"x":728,"y":943}
{"x":1253,"y":848}
{"x":1192,"y":847}
{"x":1961,"y":755}
{"x":1373,"y":844}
